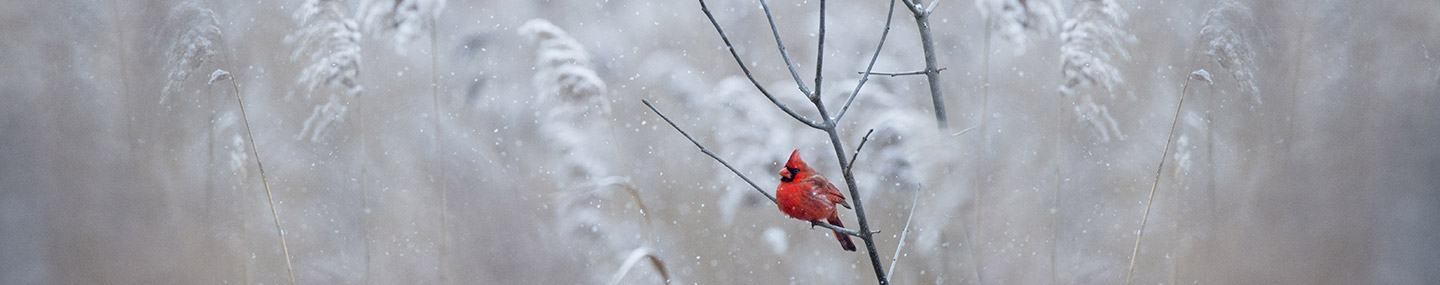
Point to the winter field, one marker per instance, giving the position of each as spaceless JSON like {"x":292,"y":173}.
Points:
{"x":506,"y":142}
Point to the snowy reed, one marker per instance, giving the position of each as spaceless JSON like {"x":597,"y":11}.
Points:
{"x":329,"y":40}
{"x":1019,"y":20}
{"x":193,"y":33}
{"x":402,"y":20}
{"x":1092,"y":41}
{"x":573,"y":95}
{"x":193,"y":43}
{"x":1227,"y":33}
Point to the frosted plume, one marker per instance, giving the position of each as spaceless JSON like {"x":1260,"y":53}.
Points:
{"x":403,"y":20}
{"x":572,"y":97}
{"x":1228,"y":43}
{"x":329,"y":40}
{"x":563,"y":65}
{"x":193,"y":34}
{"x":1018,"y":20}
{"x":1093,"y":40}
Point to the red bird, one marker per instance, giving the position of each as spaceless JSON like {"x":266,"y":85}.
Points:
{"x":804,"y":194}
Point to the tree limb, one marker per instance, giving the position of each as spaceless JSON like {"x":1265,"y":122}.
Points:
{"x":783,"y":54}
{"x":931,"y":8}
{"x":746,"y":70}
{"x":819,"y":53}
{"x":917,"y":72}
{"x":914,"y":6}
{"x":865,"y":76}
{"x":932,"y":71}
{"x":862,"y":145}
{"x":901,"y":245}
{"x":707,"y":151}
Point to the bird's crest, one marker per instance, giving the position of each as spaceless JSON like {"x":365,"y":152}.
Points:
{"x":795,"y":162}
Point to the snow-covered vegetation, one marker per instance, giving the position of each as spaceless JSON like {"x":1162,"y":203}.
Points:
{"x":505,"y":142}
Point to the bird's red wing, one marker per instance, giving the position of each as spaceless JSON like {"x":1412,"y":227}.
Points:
{"x":827,"y":190}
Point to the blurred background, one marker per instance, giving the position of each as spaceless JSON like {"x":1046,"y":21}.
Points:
{"x":504,"y":142}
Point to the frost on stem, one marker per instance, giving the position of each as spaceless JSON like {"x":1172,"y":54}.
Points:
{"x":405,"y":20}
{"x":1227,"y":32}
{"x":1092,"y":41}
{"x":1018,"y":20}
{"x":193,"y":33}
{"x":572,"y":96}
{"x":329,"y":40}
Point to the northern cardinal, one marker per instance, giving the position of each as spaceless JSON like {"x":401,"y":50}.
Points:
{"x":805,"y":194}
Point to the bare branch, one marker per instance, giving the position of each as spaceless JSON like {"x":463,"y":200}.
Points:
{"x":917,"y":72}
{"x":932,"y":68}
{"x":966,"y":130}
{"x":859,"y":204}
{"x":819,"y":53}
{"x":746,"y":70}
{"x":707,"y":151}
{"x":865,"y":76}
{"x":893,"y":260}
{"x":931,"y":8}
{"x":914,"y":7}
{"x":846,"y":231}
{"x":783,"y":54}
{"x":862,"y":145}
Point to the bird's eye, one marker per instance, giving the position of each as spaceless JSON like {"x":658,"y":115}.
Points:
{"x":787,"y":175}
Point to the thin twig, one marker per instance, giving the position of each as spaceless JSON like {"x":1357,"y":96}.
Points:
{"x":819,"y":52}
{"x":931,"y":8}
{"x":707,"y":151}
{"x":1158,"y":169}
{"x":783,"y":54}
{"x":845,"y":231}
{"x":901,"y":245}
{"x":865,"y":76}
{"x":966,"y":130}
{"x":917,"y":72}
{"x":285,"y":248}
{"x":746,"y":70}
{"x":274,"y":213}
{"x":862,"y":145}
{"x":913,"y":6}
